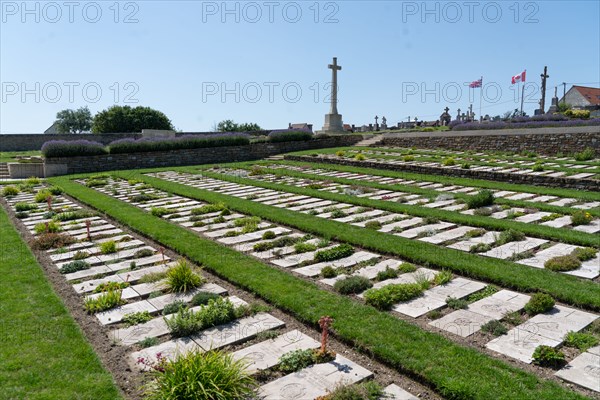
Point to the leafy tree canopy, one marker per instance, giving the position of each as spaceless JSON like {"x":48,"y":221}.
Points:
{"x":125,"y":119}
{"x":74,"y":121}
{"x":229,"y":126}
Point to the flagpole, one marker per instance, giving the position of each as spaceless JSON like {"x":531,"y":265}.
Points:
{"x":480,"y":97}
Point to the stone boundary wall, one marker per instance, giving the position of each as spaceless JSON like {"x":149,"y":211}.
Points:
{"x":547,"y":141}
{"x":73,"y":165}
{"x":583,"y":184}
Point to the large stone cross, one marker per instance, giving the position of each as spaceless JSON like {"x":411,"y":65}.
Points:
{"x":334,"y":69}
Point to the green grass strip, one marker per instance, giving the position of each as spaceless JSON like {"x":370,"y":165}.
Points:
{"x":451,"y":180}
{"x":447,"y":367}
{"x":431,"y":193}
{"x":540,"y":231}
{"x":43,"y":353}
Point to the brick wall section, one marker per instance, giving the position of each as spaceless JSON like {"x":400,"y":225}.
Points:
{"x":547,"y":141}
{"x":74,"y":165}
{"x":583,"y":184}
{"x":26,"y":142}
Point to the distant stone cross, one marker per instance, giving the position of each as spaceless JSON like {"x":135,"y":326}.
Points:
{"x":334,"y":85}
{"x":446,"y":109}
{"x":376,"y":119}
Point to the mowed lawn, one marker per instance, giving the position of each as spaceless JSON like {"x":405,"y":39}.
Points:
{"x":43,"y":354}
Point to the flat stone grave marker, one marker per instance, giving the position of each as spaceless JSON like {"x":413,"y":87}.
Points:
{"x":584,"y":371}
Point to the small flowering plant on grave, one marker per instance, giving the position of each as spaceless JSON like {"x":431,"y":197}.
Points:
{"x":323,"y":354}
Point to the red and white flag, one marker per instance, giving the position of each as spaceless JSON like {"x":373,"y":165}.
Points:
{"x":476,"y":84}
{"x":519,"y":78}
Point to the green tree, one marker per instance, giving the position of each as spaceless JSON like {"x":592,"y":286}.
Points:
{"x":74,"y":121}
{"x":125,"y":119}
{"x":229,"y":126}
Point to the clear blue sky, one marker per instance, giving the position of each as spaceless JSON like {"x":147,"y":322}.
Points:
{"x":399,"y":59}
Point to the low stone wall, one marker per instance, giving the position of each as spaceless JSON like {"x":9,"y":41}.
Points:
{"x":25,"y":170}
{"x":74,"y":165}
{"x":583,"y":184}
{"x":548,"y":141}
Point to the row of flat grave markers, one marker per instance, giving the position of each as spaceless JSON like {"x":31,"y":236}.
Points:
{"x":440,"y":233}
{"x":444,"y":201}
{"x":309,"y":383}
{"x":448,"y":152}
{"x":445,"y":188}
{"x":463,"y":322}
{"x":520,"y":168}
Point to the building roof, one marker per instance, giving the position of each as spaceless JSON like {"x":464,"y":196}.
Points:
{"x":590,"y":94}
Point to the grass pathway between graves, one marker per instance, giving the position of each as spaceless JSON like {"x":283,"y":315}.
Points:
{"x":454,"y":180}
{"x":431,"y":358}
{"x":43,"y":353}
{"x":570,"y":236}
{"x":401,"y":188}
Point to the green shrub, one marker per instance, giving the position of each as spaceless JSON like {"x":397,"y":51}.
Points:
{"x":581,"y":217}
{"x":494,"y":327}
{"x":338,"y":214}
{"x":143,"y":253}
{"x":74,"y":266}
{"x":579,"y":114}
{"x":335,"y":253}
{"x":449,"y":162}
{"x":137,"y":318}
{"x":482,"y":199}
{"x":22,"y":215}
{"x":182,"y":278}
{"x":482,"y":294}
{"x":388,"y":273}
{"x":508,"y":236}
{"x":48,"y":241}
{"x":315,"y":186}
{"x":480,"y":248}
{"x":514,"y":318}
{"x":148,"y":342}
{"x":408,"y":158}
{"x":103,"y":302}
{"x":208,"y":208}
{"x":584,"y":253}
{"x":443,"y":277}
{"x":160,"y":211}
{"x":360,"y":157}
{"x":108,"y":247}
{"x":456,"y":304}
{"x":537,"y":167}
{"x":80,"y":255}
{"x":581,"y":340}
{"x":374,"y":225}
{"x":550,"y":217}
{"x":268,"y":235}
{"x":201,"y":375}
{"x":563,"y":263}
{"x":263,"y":246}
{"x":547,"y":356}
{"x":304,"y":247}
{"x":340,"y":153}
{"x":143,"y":197}
{"x":72,"y":215}
{"x":386,"y":296}
{"x":406,"y":267}
{"x":187,"y":322}
{"x":110,"y":286}
{"x":370,"y":390}
{"x":587,"y":154}
{"x":96,"y":182}
{"x":539,"y":303}
{"x":42,"y":195}
{"x":328,"y":272}
{"x":10,"y":191}
{"x":202,"y":298}
{"x":22,"y":206}
{"x":477,"y":232}
{"x":465,"y":165}
{"x":174,"y":307}
{"x":47,"y":227}
{"x":352,"y":284}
